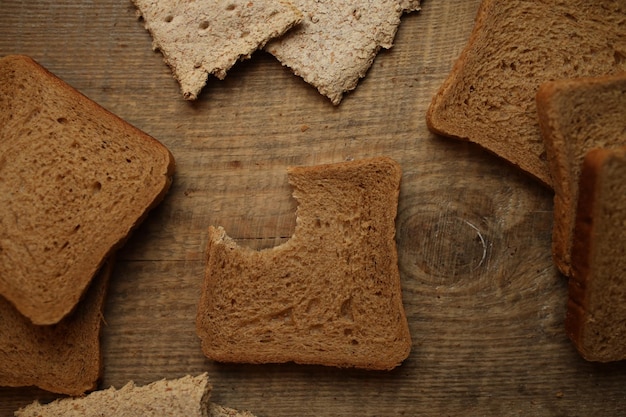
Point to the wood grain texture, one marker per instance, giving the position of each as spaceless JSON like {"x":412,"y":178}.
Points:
{"x":484,"y":301}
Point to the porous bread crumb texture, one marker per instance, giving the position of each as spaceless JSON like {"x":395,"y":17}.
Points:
{"x":330,"y":295}
{"x":187,"y":396}
{"x":204,"y":37}
{"x":576,"y":115}
{"x":597,"y":308}
{"x":216,"y":410}
{"x":337,"y":41}
{"x":63,"y":358}
{"x":74,"y":181}
{"x":489,"y":96}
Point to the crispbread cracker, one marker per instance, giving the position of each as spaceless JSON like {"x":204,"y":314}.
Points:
{"x":187,"y":396}
{"x":204,"y":37}
{"x":337,"y":41}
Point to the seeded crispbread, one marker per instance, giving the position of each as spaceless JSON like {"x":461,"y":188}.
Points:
{"x":489,"y":96}
{"x":204,"y":37}
{"x":64,"y":357}
{"x":337,"y":41}
{"x":331,"y":295}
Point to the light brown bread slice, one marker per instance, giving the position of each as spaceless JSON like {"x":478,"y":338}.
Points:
{"x":596,"y":313}
{"x":330,"y":295}
{"x":74,"y":181}
{"x":187,"y":396}
{"x":489,"y":96}
{"x":337,"y":41}
{"x":204,"y":37}
{"x":63,"y":358}
{"x":576,"y":115}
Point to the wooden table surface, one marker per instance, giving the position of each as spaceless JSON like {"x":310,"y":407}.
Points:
{"x":485,"y":303}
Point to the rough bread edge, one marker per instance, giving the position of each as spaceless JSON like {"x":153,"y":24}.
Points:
{"x":104,"y":402}
{"x":348,"y":82}
{"x":217,"y":237}
{"x":192,"y":94}
{"x":41,"y":317}
{"x":583,"y":252}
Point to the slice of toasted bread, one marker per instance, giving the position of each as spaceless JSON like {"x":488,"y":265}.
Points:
{"x":187,"y":396}
{"x":198,"y":38}
{"x":489,"y":96}
{"x":596,"y":310}
{"x":62,"y":358}
{"x":337,"y":41}
{"x":330,"y":295}
{"x":576,"y":115}
{"x":74,"y":181}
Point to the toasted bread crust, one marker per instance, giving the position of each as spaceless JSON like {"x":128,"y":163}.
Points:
{"x":81,"y":180}
{"x":596,"y":310}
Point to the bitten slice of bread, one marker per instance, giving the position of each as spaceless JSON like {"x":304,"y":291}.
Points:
{"x":64,"y":357}
{"x":187,"y":396}
{"x":337,"y":41}
{"x":198,"y":38}
{"x":576,"y":115}
{"x":74,"y":181}
{"x":330,"y":295}
{"x":489,"y":96}
{"x":597,"y":289}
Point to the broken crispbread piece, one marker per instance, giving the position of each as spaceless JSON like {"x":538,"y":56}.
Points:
{"x":330,"y":295}
{"x":198,"y":38}
{"x":63,"y":358}
{"x":187,"y":396}
{"x":337,"y":41}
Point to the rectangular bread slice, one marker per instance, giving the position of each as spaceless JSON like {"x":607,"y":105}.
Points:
{"x":596,"y":313}
{"x":330,"y":295}
{"x":74,"y":181}
{"x":576,"y":115}
{"x":489,"y":96}
{"x":63,"y":358}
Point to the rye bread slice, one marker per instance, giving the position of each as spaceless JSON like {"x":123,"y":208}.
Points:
{"x":203,"y":37}
{"x":489,"y":96}
{"x":331,"y":295}
{"x":74,"y":181}
{"x":63,"y":358}
{"x":187,"y":396}
{"x":596,"y":313}
{"x":337,"y":41}
{"x":576,"y":115}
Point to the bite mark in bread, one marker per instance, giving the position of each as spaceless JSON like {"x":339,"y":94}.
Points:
{"x":331,"y":295}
